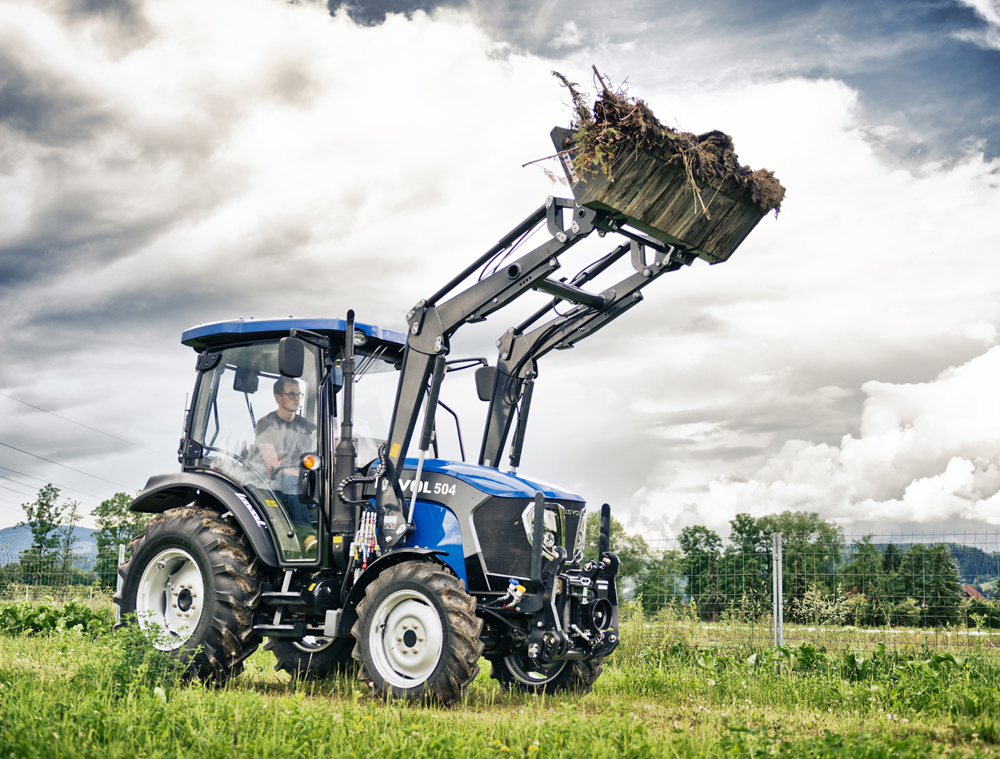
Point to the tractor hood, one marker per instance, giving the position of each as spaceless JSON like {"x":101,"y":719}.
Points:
{"x":493,"y":482}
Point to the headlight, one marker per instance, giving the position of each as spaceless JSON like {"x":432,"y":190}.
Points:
{"x":552,"y":527}
{"x":581,"y":538}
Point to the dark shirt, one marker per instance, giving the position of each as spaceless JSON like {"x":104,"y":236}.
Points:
{"x":291,"y":440}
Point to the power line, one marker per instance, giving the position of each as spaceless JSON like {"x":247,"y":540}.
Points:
{"x":32,"y":477}
{"x":85,"y":426}
{"x":78,"y":471}
{"x":12,"y":489}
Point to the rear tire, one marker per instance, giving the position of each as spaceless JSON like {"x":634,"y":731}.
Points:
{"x":192,"y":583}
{"x":313,"y":658}
{"x":518,"y":672}
{"x":417,"y":634}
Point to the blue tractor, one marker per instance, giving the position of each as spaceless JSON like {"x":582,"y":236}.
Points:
{"x":309,"y":526}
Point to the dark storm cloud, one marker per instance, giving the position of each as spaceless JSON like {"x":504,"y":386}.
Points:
{"x":43,"y":105}
{"x":913,"y":64}
{"x":374,"y":12}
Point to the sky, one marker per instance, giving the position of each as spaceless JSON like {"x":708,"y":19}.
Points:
{"x":167,"y":163}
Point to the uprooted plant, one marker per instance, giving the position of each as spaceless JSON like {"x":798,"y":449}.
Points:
{"x":618,"y":123}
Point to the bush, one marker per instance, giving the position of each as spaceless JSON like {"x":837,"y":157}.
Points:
{"x":137,"y":665}
{"x":25,"y":618}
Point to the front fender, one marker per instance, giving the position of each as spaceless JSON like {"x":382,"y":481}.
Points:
{"x":350,"y":608}
{"x":171,"y":491}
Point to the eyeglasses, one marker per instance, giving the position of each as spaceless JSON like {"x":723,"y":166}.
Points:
{"x":293,"y":396}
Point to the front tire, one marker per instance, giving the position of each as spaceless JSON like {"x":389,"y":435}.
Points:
{"x":518,"y":672}
{"x":313,"y":658}
{"x":417,"y":634}
{"x":192,"y":583}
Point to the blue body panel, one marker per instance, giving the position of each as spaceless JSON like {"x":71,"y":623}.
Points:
{"x":437,"y":528}
{"x":236,"y":328}
{"x":492,"y":481}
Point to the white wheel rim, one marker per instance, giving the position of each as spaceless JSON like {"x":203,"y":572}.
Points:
{"x":171,"y":598}
{"x":529,"y":673}
{"x":406,"y":639}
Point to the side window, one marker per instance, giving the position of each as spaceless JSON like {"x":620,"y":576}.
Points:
{"x":254,"y":427}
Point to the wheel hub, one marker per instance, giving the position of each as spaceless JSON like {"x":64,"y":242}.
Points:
{"x":406,"y":639}
{"x":170,"y":598}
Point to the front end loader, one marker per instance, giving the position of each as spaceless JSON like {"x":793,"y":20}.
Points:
{"x":315,"y":530}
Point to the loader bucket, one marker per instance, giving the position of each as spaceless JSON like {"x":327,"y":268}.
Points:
{"x":655,"y":195}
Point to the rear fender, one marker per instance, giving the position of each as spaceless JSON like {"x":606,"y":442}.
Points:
{"x":171,"y":491}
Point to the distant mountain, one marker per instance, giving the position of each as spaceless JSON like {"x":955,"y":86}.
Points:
{"x":13,"y":540}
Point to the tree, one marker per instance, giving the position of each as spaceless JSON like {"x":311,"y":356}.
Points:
{"x":68,"y":539}
{"x":44,"y":517}
{"x":662,"y":582}
{"x":746,"y":566}
{"x":116,"y":525}
{"x":632,"y":550}
{"x":929,"y":576}
{"x":812,"y":549}
{"x":701,"y":547}
{"x":862,"y":578}
{"x":943,"y":594}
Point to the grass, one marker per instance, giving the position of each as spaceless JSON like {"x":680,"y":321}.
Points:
{"x":67,"y":693}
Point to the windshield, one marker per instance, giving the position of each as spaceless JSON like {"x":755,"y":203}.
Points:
{"x":374,"y":392}
{"x":254,"y":426}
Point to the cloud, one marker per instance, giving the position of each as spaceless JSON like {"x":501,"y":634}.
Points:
{"x":988,"y":37}
{"x":926,"y":456}
{"x":260,"y":158}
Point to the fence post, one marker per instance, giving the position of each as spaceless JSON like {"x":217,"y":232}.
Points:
{"x":118,"y":584}
{"x":776,"y":591}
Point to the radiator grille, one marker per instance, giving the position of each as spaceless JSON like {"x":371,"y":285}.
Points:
{"x":504,"y":541}
{"x":502,"y":538}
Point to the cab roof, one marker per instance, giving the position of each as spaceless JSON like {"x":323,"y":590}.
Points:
{"x":222,"y":333}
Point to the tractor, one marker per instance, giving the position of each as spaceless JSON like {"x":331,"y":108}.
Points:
{"x":342,"y":552}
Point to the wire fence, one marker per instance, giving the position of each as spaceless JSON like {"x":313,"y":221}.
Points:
{"x":28,"y":575}
{"x":785,"y":589}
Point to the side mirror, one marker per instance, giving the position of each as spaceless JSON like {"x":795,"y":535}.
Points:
{"x":246,"y":380}
{"x":291,"y":356}
{"x":485,"y":376}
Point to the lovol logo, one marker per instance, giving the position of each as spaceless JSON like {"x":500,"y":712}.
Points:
{"x":427,"y":488}
{"x":252,"y":510}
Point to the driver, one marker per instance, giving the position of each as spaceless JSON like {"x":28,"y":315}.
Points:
{"x":283,"y":437}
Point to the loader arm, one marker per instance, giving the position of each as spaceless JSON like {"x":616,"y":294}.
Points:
{"x":519,"y":350}
{"x":430,"y":327}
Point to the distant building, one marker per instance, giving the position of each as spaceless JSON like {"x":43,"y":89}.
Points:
{"x":970,"y":592}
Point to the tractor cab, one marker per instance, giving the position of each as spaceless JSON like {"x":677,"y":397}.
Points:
{"x":270,"y":434}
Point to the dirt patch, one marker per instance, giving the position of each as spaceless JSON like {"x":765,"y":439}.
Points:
{"x":617,"y":123}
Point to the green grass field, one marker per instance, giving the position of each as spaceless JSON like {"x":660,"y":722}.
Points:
{"x":66,"y":693}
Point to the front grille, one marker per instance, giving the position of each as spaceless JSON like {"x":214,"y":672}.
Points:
{"x":502,"y":538}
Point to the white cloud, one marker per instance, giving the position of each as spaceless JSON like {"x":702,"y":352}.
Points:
{"x":569,"y":36}
{"x":989,"y":11}
{"x":927,"y":454}
{"x":255,"y":157}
